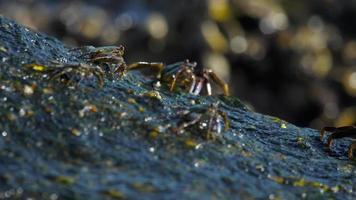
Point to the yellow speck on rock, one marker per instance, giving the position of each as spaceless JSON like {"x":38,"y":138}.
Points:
{"x":246,"y":154}
{"x":277,"y":179}
{"x":154,"y":133}
{"x":3,"y":49}
{"x":143,"y":187}
{"x":115,"y":194}
{"x":299,"y":183}
{"x":47,"y":90}
{"x":11,"y":116}
{"x":190,"y":143}
{"x":65,"y":180}
{"x":28,"y":90}
{"x":283,"y":125}
{"x":75,"y":132}
{"x":152,"y":94}
{"x":37,"y":67}
{"x":335,"y":189}
{"x":141,"y":109}
{"x":131,"y":101}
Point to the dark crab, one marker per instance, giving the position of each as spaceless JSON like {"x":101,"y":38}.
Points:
{"x":340,"y":132}
{"x":185,"y":75}
{"x":210,"y":119}
{"x":69,"y":72}
{"x":112,"y":56}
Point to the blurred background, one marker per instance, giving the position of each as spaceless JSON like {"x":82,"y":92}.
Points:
{"x":292,"y":59}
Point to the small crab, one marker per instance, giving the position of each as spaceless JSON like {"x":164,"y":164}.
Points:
{"x":340,"y":132}
{"x":69,"y":71}
{"x":211,"y":119}
{"x":112,"y":56}
{"x":185,"y":75}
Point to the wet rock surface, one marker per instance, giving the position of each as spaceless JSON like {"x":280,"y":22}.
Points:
{"x":83,"y":141}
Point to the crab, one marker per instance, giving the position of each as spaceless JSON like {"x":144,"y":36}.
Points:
{"x":340,"y":132}
{"x":185,"y":75}
{"x":211,"y":119}
{"x":70,"y":71}
{"x":112,"y":56}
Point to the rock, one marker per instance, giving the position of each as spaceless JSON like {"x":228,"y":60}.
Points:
{"x":83,"y":141}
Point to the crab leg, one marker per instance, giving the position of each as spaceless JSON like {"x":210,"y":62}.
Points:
{"x":121,"y":69}
{"x":192,"y":86}
{"x":210,"y":126}
{"x":175,"y":77}
{"x":336,"y":135}
{"x":352,"y":149}
{"x":99,"y":74}
{"x":218,"y":81}
{"x":334,"y":129}
{"x":56,"y":74}
{"x":198,"y":87}
{"x":208,"y":87}
{"x":186,"y":124}
{"x":226,"y":119}
{"x":155,"y":65}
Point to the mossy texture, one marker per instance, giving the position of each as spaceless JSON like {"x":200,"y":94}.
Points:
{"x":83,"y":141}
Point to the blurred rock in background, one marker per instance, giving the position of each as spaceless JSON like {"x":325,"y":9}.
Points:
{"x":292,"y":59}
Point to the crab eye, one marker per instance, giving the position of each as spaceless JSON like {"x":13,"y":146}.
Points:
{"x":121,"y":48}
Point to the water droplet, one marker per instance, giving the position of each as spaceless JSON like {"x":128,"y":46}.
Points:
{"x":304,"y":195}
{"x":4,"y":133}
{"x":53,"y":197}
{"x":260,"y":168}
{"x":152,"y":149}
{"x":157,"y":84}
{"x":199,"y":146}
{"x":19,"y":191}
{"x":203,"y":125}
{"x":148,"y":119}
{"x":271,"y":197}
{"x":22,"y":112}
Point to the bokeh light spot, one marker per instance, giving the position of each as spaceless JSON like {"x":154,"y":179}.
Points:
{"x":238,"y":44}
{"x":157,"y":26}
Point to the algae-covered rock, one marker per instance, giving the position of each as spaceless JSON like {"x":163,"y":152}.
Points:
{"x":83,"y":141}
